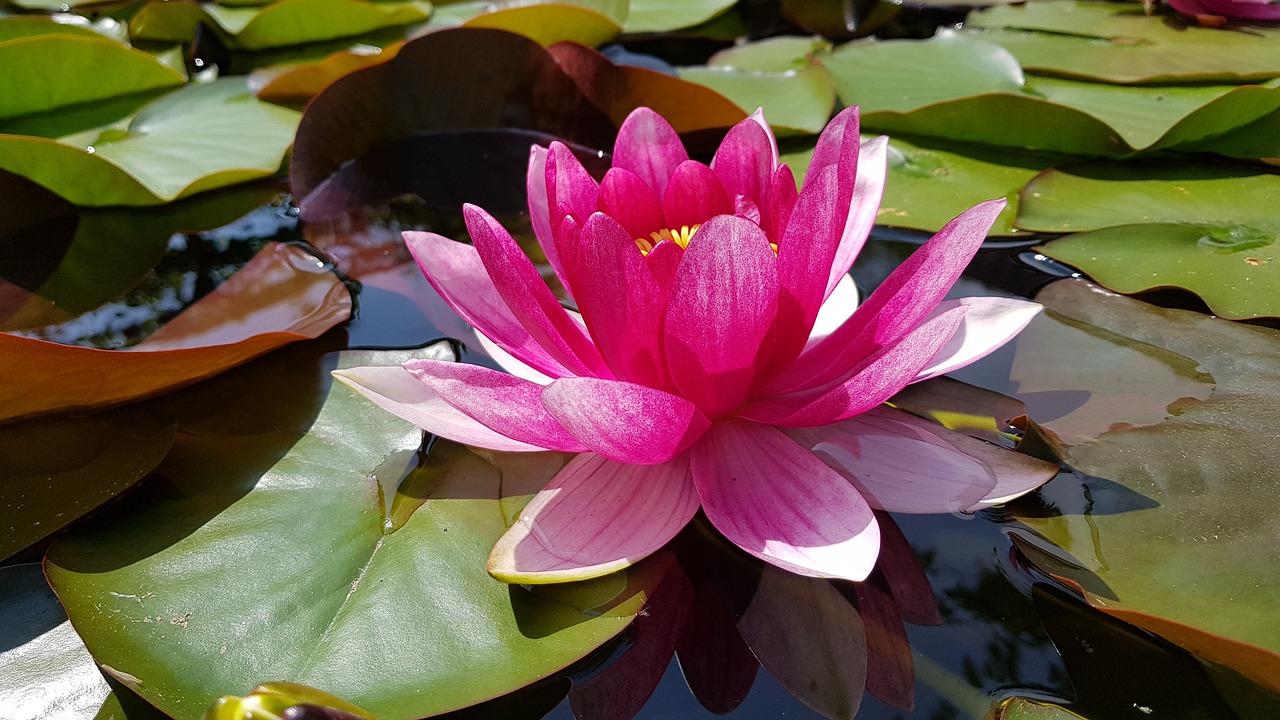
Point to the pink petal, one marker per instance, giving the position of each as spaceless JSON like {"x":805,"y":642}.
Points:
{"x":627,"y":199}
{"x":864,"y":386}
{"x":529,"y":298}
{"x":904,"y":463}
{"x":905,"y":298}
{"x":393,"y":389}
{"x":989,"y":323}
{"x":864,"y":205}
{"x":507,"y":361}
{"x":723,"y":302}
{"x":1264,"y":10}
{"x":745,"y":160}
{"x":776,"y":501}
{"x":837,"y":308}
{"x":623,"y":421}
{"x":620,"y":298}
{"x":570,"y":191}
{"x":457,"y":273}
{"x":776,"y":212}
{"x":595,"y":517}
{"x":540,"y":210}
{"x":663,"y":261}
{"x":694,"y":195}
{"x":506,"y":404}
{"x":648,"y":146}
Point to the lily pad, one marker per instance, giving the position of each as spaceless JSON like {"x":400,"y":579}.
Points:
{"x":655,"y":16}
{"x":281,"y":296}
{"x":794,"y":101}
{"x":295,"y":84}
{"x":280,"y":23}
{"x":550,"y":23}
{"x":1089,"y":196}
{"x":1181,"y":530}
{"x":198,"y":138}
{"x":1116,"y":42}
{"x":1236,"y":271}
{"x":282,"y":561}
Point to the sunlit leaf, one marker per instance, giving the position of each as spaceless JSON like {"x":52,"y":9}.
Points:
{"x":794,"y":101}
{"x":1235,"y":270}
{"x":281,"y":560}
{"x":282,"y":295}
{"x":655,"y":16}
{"x":197,"y":138}
{"x":549,"y":23}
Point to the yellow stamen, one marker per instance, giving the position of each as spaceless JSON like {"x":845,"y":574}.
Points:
{"x":680,"y":237}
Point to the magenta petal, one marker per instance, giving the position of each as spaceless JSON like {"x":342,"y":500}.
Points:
{"x":775,"y":500}
{"x":529,"y":298}
{"x":627,"y":199}
{"x":540,"y":209}
{"x":648,"y":146}
{"x":776,"y":213}
{"x":1264,"y":10}
{"x":571,"y":191}
{"x":595,"y":517}
{"x":838,"y":307}
{"x":618,"y":295}
{"x":745,"y":160}
{"x":623,"y":421}
{"x":864,"y":206}
{"x":723,"y":302}
{"x":693,"y":195}
{"x":866,"y":385}
{"x":393,"y":389}
{"x":904,"y":463}
{"x":457,"y":273}
{"x":989,"y":323}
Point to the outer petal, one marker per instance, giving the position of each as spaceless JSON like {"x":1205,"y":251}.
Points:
{"x":623,"y":421}
{"x":504,"y":403}
{"x":989,"y":323}
{"x":627,"y":199}
{"x":866,"y":385}
{"x":457,"y":273}
{"x":649,"y":147}
{"x":393,"y":389}
{"x":775,"y":500}
{"x":693,"y":195}
{"x":864,"y":205}
{"x":529,"y":298}
{"x":507,"y":361}
{"x":595,"y":517}
{"x":746,"y":158}
{"x":723,"y":302}
{"x":904,"y":463}
{"x":540,"y":209}
{"x":837,"y":308}
{"x":570,"y":191}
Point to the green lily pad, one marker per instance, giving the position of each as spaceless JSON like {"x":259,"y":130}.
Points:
{"x":655,"y":16}
{"x":794,"y":101}
{"x":280,"y":23}
{"x":1175,"y":519}
{"x":1075,"y":198}
{"x":197,"y":138}
{"x":777,"y":54}
{"x":267,"y":552}
{"x":1235,"y":271}
{"x":550,"y":23}
{"x":52,"y":71}
{"x":1116,"y":42}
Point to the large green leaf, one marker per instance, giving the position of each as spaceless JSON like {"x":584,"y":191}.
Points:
{"x":1235,"y":271}
{"x":1116,"y":42}
{"x":1176,"y":513}
{"x":284,"y":22}
{"x":197,"y":138}
{"x":267,"y":552}
{"x":654,"y":16}
{"x":1079,"y":197}
{"x":794,"y":101}
{"x":52,"y":71}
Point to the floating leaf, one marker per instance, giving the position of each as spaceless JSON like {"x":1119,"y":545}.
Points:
{"x":282,"y":295}
{"x":1182,"y":528}
{"x":280,"y":560}
{"x":296,"y":84}
{"x":1116,"y":42}
{"x":1078,"y":197}
{"x":549,"y":23}
{"x":655,"y":16}
{"x":1235,"y":270}
{"x":794,"y":101}
{"x":197,"y":138}
{"x":280,"y":23}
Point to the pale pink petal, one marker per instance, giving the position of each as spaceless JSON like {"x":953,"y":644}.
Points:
{"x":989,"y":323}
{"x":745,"y":160}
{"x":865,"y":385}
{"x":506,"y":360}
{"x":904,"y":463}
{"x":627,"y":199}
{"x":623,"y":421}
{"x":723,"y":302}
{"x":530,"y":300}
{"x":837,"y":308}
{"x":540,"y":210}
{"x":778,"y":502}
{"x":506,"y":404}
{"x":456,"y":272}
{"x":693,"y":195}
{"x":393,"y":389}
{"x":595,"y":517}
{"x":648,"y":146}
{"x":864,"y":205}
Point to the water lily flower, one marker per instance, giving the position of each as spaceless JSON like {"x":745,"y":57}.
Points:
{"x":1263,"y":10}
{"x":694,"y":377}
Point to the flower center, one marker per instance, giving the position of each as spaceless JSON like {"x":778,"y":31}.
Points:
{"x":680,"y":237}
